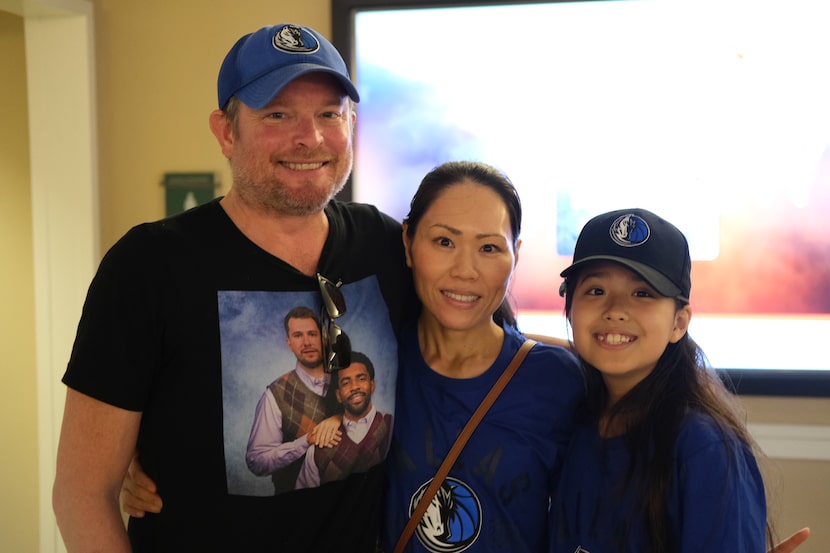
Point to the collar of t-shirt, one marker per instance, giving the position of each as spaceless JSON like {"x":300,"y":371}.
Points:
{"x":317,"y":385}
{"x":357,"y":429}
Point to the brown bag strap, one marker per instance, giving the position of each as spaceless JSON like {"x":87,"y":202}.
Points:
{"x":459,"y":444}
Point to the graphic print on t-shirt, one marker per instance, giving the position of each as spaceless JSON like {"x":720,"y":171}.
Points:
{"x":452,"y":522}
{"x":271,"y":399}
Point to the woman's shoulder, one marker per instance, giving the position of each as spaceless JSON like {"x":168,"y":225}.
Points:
{"x":543,"y":343}
{"x":553,"y":365}
{"x":551,"y":355}
{"x":556,"y":356}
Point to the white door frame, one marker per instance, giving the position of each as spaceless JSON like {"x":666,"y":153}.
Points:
{"x":60,"y":69}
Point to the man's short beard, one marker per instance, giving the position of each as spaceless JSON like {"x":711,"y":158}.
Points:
{"x":358,"y":412}
{"x":273,"y":197}
{"x":287,"y":204}
{"x":311,"y":365}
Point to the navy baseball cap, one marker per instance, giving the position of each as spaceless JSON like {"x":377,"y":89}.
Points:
{"x":642,"y":241}
{"x":261,"y":63}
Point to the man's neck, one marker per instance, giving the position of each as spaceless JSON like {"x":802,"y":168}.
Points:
{"x":297,"y":240}
{"x":314,"y":372}
{"x":354,"y":418}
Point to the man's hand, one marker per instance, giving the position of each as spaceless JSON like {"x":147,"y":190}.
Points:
{"x":789,"y":545}
{"x":138,"y":492}
{"x":327,"y":432}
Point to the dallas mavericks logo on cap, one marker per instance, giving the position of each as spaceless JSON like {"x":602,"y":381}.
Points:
{"x":292,"y":39}
{"x":262,"y":63}
{"x":640,"y":240}
{"x":629,"y":230}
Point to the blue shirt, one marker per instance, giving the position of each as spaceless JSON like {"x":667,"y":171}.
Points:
{"x":497,"y":495}
{"x":716,"y":502}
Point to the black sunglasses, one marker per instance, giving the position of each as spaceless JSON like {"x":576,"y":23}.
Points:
{"x":336,"y":343}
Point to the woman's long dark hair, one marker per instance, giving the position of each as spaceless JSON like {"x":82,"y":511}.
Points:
{"x":456,"y":172}
{"x":652,"y":413}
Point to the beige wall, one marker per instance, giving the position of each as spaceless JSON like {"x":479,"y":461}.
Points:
{"x":156,"y":76}
{"x":799,"y":488}
{"x":157,"y":67}
{"x":18,"y":408}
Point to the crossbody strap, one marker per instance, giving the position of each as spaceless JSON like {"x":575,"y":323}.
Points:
{"x":459,"y":444}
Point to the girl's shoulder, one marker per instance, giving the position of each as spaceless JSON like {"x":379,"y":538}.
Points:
{"x":715,"y":467}
{"x":702,"y":435}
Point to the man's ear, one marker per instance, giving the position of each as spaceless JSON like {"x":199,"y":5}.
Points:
{"x":407,"y":245}
{"x":682,"y":318}
{"x":222,"y":129}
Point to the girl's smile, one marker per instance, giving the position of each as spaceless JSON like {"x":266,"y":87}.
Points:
{"x":621,"y":325}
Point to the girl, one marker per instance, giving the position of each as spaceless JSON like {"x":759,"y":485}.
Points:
{"x":665,"y":463}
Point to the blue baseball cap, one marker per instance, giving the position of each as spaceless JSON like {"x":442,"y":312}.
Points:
{"x":261,"y":63}
{"x":644,"y":242}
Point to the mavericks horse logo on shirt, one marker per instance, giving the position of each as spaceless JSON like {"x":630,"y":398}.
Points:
{"x":452,"y":521}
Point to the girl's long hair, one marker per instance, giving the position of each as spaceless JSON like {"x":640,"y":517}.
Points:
{"x":652,"y":414}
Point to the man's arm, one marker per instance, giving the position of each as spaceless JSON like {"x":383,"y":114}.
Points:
{"x":550,"y":340}
{"x":309,"y":476}
{"x":96,"y":443}
{"x":266,"y":450}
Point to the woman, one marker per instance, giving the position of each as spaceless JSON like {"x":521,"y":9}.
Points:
{"x":462,"y":243}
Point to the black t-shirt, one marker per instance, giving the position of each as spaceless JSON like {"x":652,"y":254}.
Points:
{"x":183,"y":321}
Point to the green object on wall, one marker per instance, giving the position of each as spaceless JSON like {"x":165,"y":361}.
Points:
{"x":186,"y":190}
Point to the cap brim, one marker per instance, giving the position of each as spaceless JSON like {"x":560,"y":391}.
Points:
{"x":259,"y":93}
{"x":655,"y":278}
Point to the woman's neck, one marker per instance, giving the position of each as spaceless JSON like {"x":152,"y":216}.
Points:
{"x":459,"y":353}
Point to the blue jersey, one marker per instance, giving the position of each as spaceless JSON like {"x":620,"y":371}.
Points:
{"x":716,"y":499}
{"x":496,"y":497}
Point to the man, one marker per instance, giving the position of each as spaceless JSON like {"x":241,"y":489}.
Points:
{"x":366,"y":432}
{"x":150,"y":364}
{"x":291,"y":406}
